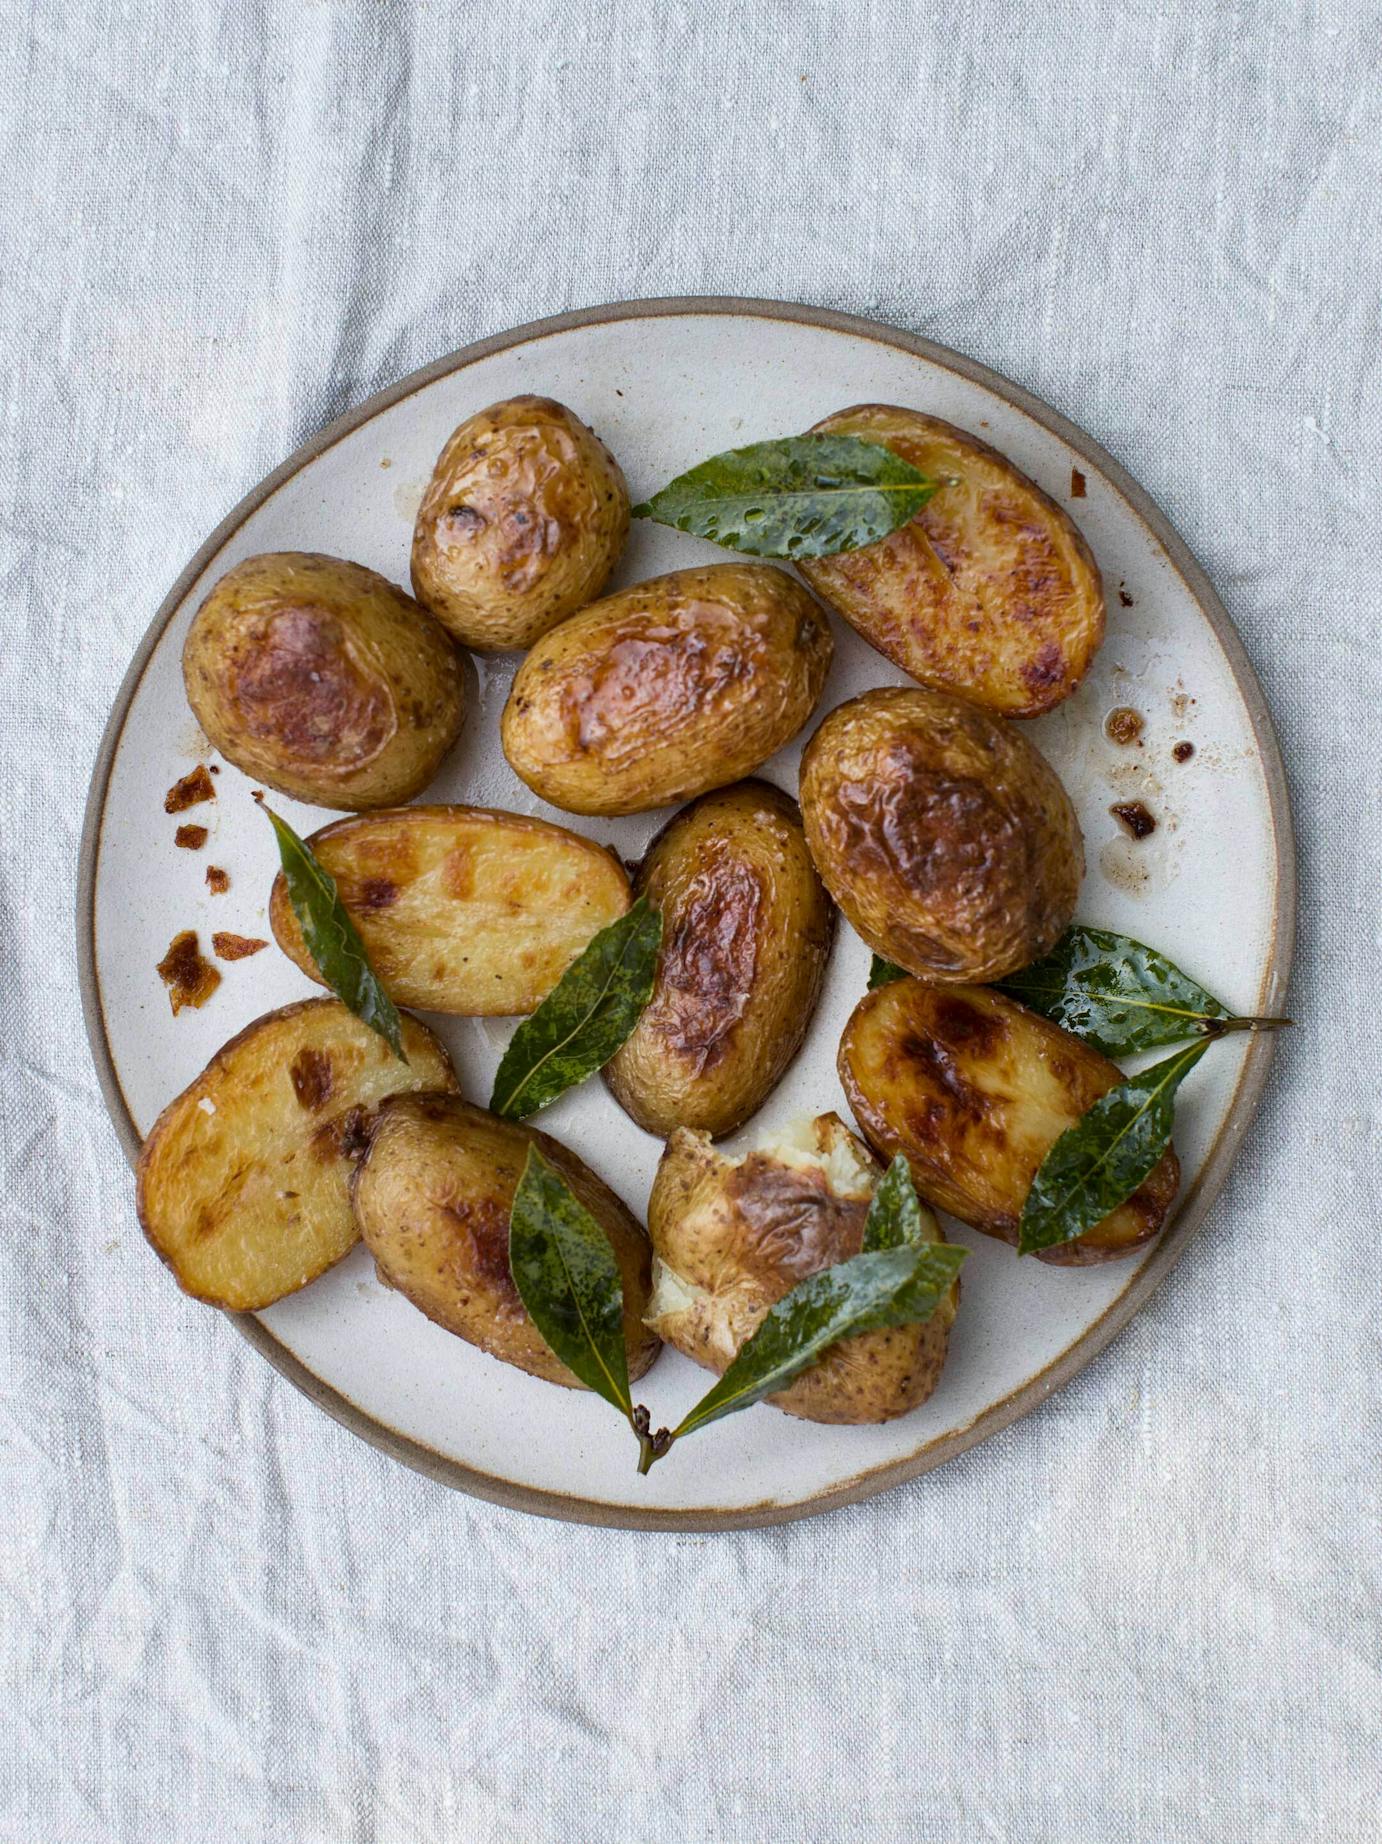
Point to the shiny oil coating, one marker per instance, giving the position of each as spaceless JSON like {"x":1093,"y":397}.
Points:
{"x":467,"y":910}
{"x":990,"y":591}
{"x":524,"y":518}
{"x":241,"y":1184}
{"x":432,"y":1198}
{"x":975,"y":1090}
{"x":744,"y":1235}
{"x":665,"y":690}
{"x":746,"y":933}
{"x":944,"y":836}
{"x":323,"y":680}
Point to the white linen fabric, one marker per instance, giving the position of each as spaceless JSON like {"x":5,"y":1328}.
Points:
{"x":1147,"y":1612}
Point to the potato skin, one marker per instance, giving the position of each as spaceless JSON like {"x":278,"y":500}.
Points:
{"x":976,"y":1090}
{"x":943,"y":835}
{"x":990,"y":591}
{"x":668,"y":689}
{"x":467,"y":910}
{"x":523,"y":520}
{"x":746,"y":934}
{"x":432,"y":1198}
{"x":742,"y":1235}
{"x":241,"y":1186}
{"x":323,"y":680}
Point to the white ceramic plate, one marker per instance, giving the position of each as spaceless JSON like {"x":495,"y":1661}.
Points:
{"x":667,"y":383}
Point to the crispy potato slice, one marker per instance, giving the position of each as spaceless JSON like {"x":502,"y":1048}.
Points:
{"x":683,"y":683}
{"x":463,"y":909}
{"x":432,"y":1198}
{"x":242,"y":1182}
{"x":746,"y":934}
{"x":990,"y":591}
{"x":732,"y":1236}
{"x":976,"y":1090}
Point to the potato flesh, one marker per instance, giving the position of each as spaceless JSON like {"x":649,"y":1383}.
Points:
{"x":732,"y":1236}
{"x":323,"y":680}
{"x":975,"y":1090}
{"x":464,"y":910}
{"x":432,"y":1199}
{"x":242,"y":1184}
{"x":521,"y":524}
{"x":944,"y":836}
{"x":668,"y":689}
{"x":990,"y":591}
{"x":746,"y":934}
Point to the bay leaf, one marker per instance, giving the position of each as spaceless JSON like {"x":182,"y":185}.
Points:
{"x":883,"y":973}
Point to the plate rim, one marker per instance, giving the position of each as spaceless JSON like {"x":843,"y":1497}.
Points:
{"x":1194,"y":1205}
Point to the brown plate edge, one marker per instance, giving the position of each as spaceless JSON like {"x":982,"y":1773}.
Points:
{"x":1242,"y":1108}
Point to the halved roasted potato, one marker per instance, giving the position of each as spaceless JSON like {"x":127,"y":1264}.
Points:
{"x":732,"y":1236}
{"x":241,"y":1185}
{"x":463,"y":909}
{"x":976,"y":1090}
{"x":658,"y":693}
{"x":432,"y":1198}
{"x":324,"y":680}
{"x":946,"y":839}
{"x":522,"y":522}
{"x":990,"y":591}
{"x":746,"y":933}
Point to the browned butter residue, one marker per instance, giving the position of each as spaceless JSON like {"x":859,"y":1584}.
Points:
{"x":1183,"y":751}
{"x":236,"y":947}
{"x":189,"y":977}
{"x":1134,"y":817}
{"x":191,"y":791}
{"x":190,"y":838}
{"x":217,"y":880}
{"x":1124,"y":726}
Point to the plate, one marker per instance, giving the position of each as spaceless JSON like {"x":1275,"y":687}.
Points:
{"x":667,"y":383}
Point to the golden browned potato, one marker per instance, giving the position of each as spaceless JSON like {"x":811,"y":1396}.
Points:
{"x":522,"y":522}
{"x":976,"y":1090}
{"x":946,"y":839}
{"x":732,"y":1236}
{"x":463,"y":909}
{"x":746,"y":932}
{"x":432,"y":1198}
{"x":242,"y":1182}
{"x":990,"y":591}
{"x":323,"y":680}
{"x":658,"y":693}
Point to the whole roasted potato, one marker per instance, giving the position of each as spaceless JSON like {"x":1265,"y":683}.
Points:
{"x":990,"y":591}
{"x":946,"y":839}
{"x":681,"y":684}
{"x":732,"y":1236}
{"x":746,"y":932}
{"x":976,"y":1090}
{"x":522,"y":522}
{"x":432,"y":1198}
{"x":322,"y":679}
{"x":463,"y":909}
{"x":241,"y":1185}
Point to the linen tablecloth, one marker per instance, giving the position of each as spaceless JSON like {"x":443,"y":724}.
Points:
{"x":1147,"y":1612}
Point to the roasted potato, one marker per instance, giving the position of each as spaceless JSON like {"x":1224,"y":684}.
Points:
{"x":463,"y":909}
{"x":658,"y":693}
{"x":746,"y":933}
{"x":732,"y":1236}
{"x":976,"y":1090}
{"x":323,"y":680}
{"x":990,"y":591}
{"x":241,"y":1185}
{"x":432,"y":1198}
{"x":946,"y":839}
{"x":522,"y":522}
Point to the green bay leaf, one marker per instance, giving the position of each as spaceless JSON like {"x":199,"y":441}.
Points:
{"x":803,"y":496}
{"x":884,"y":1287}
{"x":331,"y":938}
{"x":894,"y":1219}
{"x":883,"y":972}
{"x":567,"y":1278}
{"x":584,"y":1019}
{"x":1116,"y":993}
{"x":1100,"y":1161}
